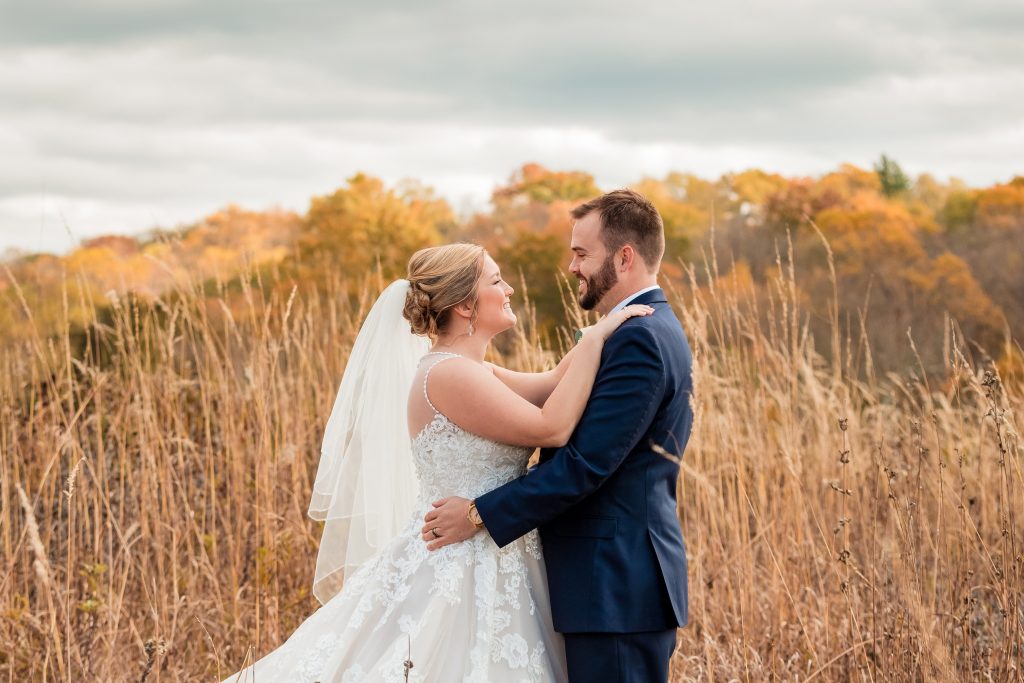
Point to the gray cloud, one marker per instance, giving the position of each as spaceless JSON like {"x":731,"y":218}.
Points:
{"x":116,"y":115}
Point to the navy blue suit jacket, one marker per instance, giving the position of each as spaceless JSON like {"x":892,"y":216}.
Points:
{"x":605,"y":503}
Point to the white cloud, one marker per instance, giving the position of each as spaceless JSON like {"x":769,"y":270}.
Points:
{"x":115,"y":118}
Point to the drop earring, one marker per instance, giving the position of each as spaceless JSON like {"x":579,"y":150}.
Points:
{"x":470,"y":333}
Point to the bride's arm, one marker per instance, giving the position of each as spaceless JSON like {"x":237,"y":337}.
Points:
{"x":474,"y":398}
{"x":535,"y":387}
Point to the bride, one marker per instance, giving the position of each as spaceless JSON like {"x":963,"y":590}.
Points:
{"x":391,"y":610}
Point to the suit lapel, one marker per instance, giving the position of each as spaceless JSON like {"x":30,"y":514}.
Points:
{"x":655,"y":296}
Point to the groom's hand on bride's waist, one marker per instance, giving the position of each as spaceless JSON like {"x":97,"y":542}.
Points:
{"x":449,"y":522}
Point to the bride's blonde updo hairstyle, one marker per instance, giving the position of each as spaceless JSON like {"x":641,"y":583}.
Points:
{"x":441,"y":278}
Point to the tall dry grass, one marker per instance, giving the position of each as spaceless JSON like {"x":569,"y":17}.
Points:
{"x":841,"y":526}
{"x":844,"y":526}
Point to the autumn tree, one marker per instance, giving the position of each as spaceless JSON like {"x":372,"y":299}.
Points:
{"x":528,"y":232}
{"x":957,"y":212}
{"x":751,"y":188}
{"x":905,"y":256}
{"x":365,"y":226}
{"x":930,"y":192}
{"x":686,"y":204}
{"x":885,"y":272}
{"x":534,"y":183}
{"x":986,"y":229}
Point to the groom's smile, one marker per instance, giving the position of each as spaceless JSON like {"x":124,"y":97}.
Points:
{"x":591,"y":263}
{"x":593,"y":289}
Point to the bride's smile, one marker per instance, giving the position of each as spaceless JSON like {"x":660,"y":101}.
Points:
{"x":494,"y":294}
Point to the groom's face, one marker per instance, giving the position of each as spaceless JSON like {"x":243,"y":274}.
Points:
{"x":592,"y":263}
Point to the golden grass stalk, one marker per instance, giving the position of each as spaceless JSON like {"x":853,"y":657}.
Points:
{"x":842,"y":524}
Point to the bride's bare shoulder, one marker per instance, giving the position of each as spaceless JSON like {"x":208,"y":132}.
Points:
{"x":458,"y":368}
{"x":460,"y":379}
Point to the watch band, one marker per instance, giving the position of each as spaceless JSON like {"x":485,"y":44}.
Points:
{"x":473,"y":515}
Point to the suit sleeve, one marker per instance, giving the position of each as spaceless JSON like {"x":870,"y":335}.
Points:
{"x":626,"y":394}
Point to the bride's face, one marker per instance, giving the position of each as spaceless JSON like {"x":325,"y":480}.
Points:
{"x":493,"y":309}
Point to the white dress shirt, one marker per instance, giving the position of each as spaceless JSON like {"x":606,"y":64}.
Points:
{"x":625,"y":302}
{"x":622,"y":304}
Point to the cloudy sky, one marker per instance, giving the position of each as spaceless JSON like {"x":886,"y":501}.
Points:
{"x":119,"y":116}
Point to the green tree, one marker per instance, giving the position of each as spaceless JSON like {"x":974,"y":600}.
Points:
{"x":894,"y":180}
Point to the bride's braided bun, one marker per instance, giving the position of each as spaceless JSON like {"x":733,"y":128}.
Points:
{"x":439,"y":279}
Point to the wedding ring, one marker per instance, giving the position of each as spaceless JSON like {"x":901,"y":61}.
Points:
{"x":434,"y":531}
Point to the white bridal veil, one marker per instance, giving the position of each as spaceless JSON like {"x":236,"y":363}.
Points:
{"x":365,"y":485}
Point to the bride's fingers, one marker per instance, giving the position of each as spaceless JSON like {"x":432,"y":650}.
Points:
{"x":636,"y":314}
{"x":632,"y":311}
{"x":431,"y":516}
{"x":637,"y":309}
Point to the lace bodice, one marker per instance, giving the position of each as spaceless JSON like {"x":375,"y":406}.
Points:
{"x":453,"y":462}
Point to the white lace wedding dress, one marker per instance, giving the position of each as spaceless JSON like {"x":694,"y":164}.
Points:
{"x":473,"y":612}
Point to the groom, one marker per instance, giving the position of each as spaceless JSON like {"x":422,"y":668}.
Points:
{"x":605,"y":503}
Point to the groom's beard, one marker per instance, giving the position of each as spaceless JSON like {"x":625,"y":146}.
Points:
{"x":598,"y":286}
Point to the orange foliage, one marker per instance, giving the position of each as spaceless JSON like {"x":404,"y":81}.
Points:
{"x":1001,"y":207}
{"x":534,"y":183}
{"x":849,"y":181}
{"x":903,"y":261}
{"x":870,"y":234}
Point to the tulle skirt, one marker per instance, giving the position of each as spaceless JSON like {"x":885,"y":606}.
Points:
{"x":470,"y":612}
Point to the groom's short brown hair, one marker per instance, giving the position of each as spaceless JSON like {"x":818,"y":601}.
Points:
{"x":627,"y":217}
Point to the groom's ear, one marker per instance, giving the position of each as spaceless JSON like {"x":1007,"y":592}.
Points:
{"x":625,"y":259}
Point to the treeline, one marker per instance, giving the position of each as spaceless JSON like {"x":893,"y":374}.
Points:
{"x":891,"y":271}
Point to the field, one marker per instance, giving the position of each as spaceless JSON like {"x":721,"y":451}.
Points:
{"x":841,"y":524}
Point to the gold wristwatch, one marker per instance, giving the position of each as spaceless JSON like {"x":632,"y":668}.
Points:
{"x":474,"y":516}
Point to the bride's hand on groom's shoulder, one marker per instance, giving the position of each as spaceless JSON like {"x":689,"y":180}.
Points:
{"x":611,"y":322}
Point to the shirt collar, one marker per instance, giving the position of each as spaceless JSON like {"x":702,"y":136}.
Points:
{"x":622,"y":304}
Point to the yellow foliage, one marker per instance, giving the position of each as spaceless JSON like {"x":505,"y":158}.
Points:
{"x":365,"y":224}
{"x":871,"y":234}
{"x":881,"y":246}
{"x":685,"y":204}
{"x":1001,"y":207}
{"x":754,"y":186}
{"x":533,"y":182}
{"x":850,"y":180}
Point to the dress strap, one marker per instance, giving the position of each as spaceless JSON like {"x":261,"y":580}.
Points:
{"x":445,"y":355}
